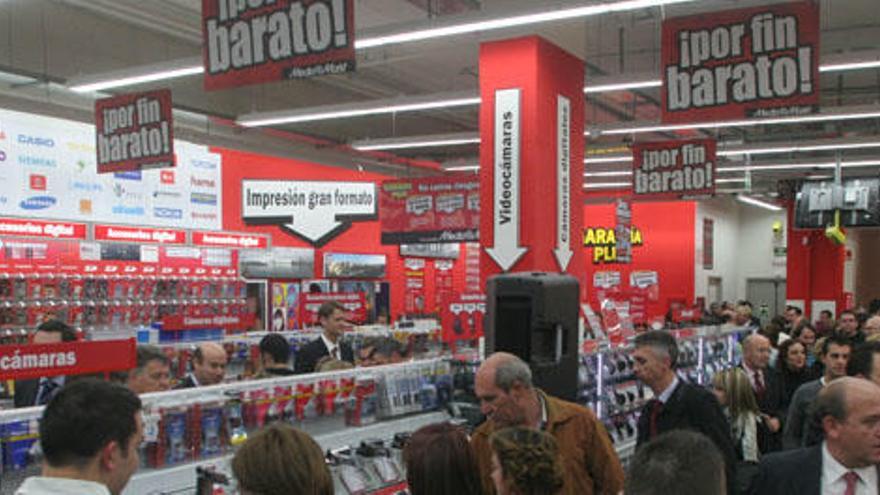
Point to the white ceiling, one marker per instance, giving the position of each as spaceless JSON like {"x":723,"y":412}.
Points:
{"x":60,"y":40}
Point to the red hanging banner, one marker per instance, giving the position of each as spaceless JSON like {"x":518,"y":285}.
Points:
{"x":672,"y":169}
{"x":134,"y":131}
{"x":430,"y":210}
{"x":69,"y":358}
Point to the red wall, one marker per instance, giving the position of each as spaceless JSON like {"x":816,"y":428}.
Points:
{"x":668,"y":234}
{"x":361,"y":237}
{"x":814,"y":268}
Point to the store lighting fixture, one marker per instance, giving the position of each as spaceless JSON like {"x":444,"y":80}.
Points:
{"x":801,"y":165}
{"x":869,"y":64}
{"x":730,"y":180}
{"x":627,"y":86}
{"x":137,"y":75}
{"x":508,"y":22}
{"x":612,"y":173}
{"x":607,"y":185}
{"x":830,"y":146}
{"x":609,"y":159}
{"x":399,"y":144}
{"x":376,"y":107}
{"x":463,"y":168}
{"x":758,"y":203}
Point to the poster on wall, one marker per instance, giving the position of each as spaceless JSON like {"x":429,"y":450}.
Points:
{"x":431,"y":250}
{"x":48,"y":170}
{"x":673,"y":169}
{"x":348,"y":265}
{"x":277,"y":262}
{"x":754,"y":62}
{"x":414,"y":276}
{"x":443,"y":289}
{"x":435,"y":210}
{"x":275,"y":40}
{"x":285,"y":306}
{"x":708,"y":244}
{"x":463,"y":318}
{"x":134,"y":131}
{"x":603,"y":242}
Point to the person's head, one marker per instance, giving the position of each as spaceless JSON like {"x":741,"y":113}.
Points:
{"x":849,"y":411}
{"x":328,"y":363}
{"x":331,"y":316}
{"x":274,"y":351}
{"x":679,"y":462}
{"x":874,"y":307}
{"x":793,"y":314}
{"x":742,"y":315}
{"x":92,"y":430}
{"x":654,"y":359}
{"x":835,"y":355}
{"x":153,"y":371}
{"x":872,"y":326}
{"x":209,"y":363}
{"x":279,"y":460}
{"x":733,"y":389}
{"x":848,"y":323}
{"x":439,"y":459}
{"x":756,"y":352}
{"x":503,"y":385}
{"x":825,"y":317}
{"x":388,"y":350}
{"x":806,"y":334}
{"x":53,"y":332}
{"x":525,"y":461}
{"x":864,"y":362}
{"x":793,"y":355}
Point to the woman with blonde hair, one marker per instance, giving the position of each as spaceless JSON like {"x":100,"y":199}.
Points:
{"x":525,"y":461}
{"x":735,"y":394}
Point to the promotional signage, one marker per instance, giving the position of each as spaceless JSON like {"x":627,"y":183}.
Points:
{"x":272,"y":40}
{"x":225,"y":239}
{"x":430,"y":210}
{"x":506,"y":250}
{"x":672,"y":169}
{"x":353,"y":302}
{"x":463,"y":318}
{"x":134,"y":131}
{"x":69,"y":358}
{"x":563,"y":250}
{"x":38,"y":228}
{"x":603,"y":240}
{"x":134,"y":234}
{"x":756,"y":62}
{"x":227,"y":322}
{"x":316,"y":211}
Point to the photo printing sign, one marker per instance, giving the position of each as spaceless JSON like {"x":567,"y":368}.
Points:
{"x":271,"y":40}
{"x":134,"y":131}
{"x":672,"y":169}
{"x":756,"y":62}
{"x":313,"y":210}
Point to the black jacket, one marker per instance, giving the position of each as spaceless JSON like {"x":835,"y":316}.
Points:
{"x":791,"y":472}
{"x":187,"y":382}
{"x":770,"y":404}
{"x":694,"y":408}
{"x":26,"y":392}
{"x":309,"y":355}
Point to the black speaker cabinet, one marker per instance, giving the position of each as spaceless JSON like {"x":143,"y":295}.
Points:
{"x":534,"y":315}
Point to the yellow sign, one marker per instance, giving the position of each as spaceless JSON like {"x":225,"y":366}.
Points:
{"x":603,"y":240}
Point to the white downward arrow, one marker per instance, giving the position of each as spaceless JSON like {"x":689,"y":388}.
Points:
{"x":506,"y":250}
{"x":563,"y":251}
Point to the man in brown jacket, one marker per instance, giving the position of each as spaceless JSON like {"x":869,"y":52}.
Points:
{"x":507,"y":398}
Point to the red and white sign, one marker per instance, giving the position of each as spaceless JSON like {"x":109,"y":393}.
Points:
{"x":134,"y":131}
{"x":139,"y":234}
{"x":430,"y":210}
{"x":672,"y":169}
{"x":39,"y":228}
{"x":68,"y":358}
{"x":273,"y":40}
{"x":166,"y":176}
{"x":226,"y":322}
{"x":38,"y":182}
{"x":755,"y":62}
{"x":224,"y":239}
{"x":463,"y":318}
{"x":354,"y":303}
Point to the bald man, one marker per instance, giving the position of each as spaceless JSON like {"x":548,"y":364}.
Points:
{"x":846,"y":461}
{"x":756,"y":358}
{"x":208,"y":366}
{"x":507,"y":397}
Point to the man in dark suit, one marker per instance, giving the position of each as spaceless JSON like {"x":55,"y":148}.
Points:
{"x":274,"y":356}
{"x":331,"y":316}
{"x":38,"y":391}
{"x":756,"y":358}
{"x":208,"y":366}
{"x":846,"y":461}
{"x":677,"y":404}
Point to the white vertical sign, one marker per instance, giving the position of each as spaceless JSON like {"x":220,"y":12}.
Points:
{"x":506,"y":172}
{"x":563,"y":251}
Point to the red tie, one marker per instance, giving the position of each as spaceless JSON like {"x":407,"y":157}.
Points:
{"x":759,"y":384}
{"x":656,"y":409}
{"x":852,"y":479}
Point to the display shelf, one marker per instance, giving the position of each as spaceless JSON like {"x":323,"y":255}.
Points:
{"x":182,"y":479}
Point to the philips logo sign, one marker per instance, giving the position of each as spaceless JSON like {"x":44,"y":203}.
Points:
{"x":36,"y":141}
{"x":38,"y":203}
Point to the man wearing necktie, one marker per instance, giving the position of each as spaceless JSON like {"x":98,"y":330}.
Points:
{"x":846,"y":461}
{"x":38,"y":392}
{"x":677,"y":404}
{"x":331,"y":316}
{"x":756,"y":358}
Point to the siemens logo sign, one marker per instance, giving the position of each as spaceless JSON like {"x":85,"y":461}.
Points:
{"x":174,"y":213}
{"x":36,"y":161}
{"x":38,"y":203}
{"x":36,"y":141}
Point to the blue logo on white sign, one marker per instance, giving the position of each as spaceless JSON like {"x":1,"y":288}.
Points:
{"x":196,"y":163}
{"x":203,"y":199}
{"x":133,"y":211}
{"x":38,"y":203}
{"x":36,"y":141}
{"x":36,"y":161}
{"x":132,"y":175}
{"x":174,"y":213}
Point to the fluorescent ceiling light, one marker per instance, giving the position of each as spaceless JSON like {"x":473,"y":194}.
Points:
{"x":801,"y":165}
{"x":462,"y":168}
{"x":730,"y":180}
{"x":869,"y":64}
{"x":137,"y":75}
{"x":328,"y":112}
{"x":830,"y":146}
{"x":607,"y":88}
{"x":613,"y":173}
{"x":398,"y":144}
{"x":609,"y":159}
{"x":819,"y":177}
{"x":508,"y":22}
{"x":758,"y":203}
{"x":607,"y":185}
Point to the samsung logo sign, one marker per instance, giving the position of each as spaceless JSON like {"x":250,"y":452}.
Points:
{"x":36,"y":141}
{"x":174,"y":213}
{"x":38,"y":203}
